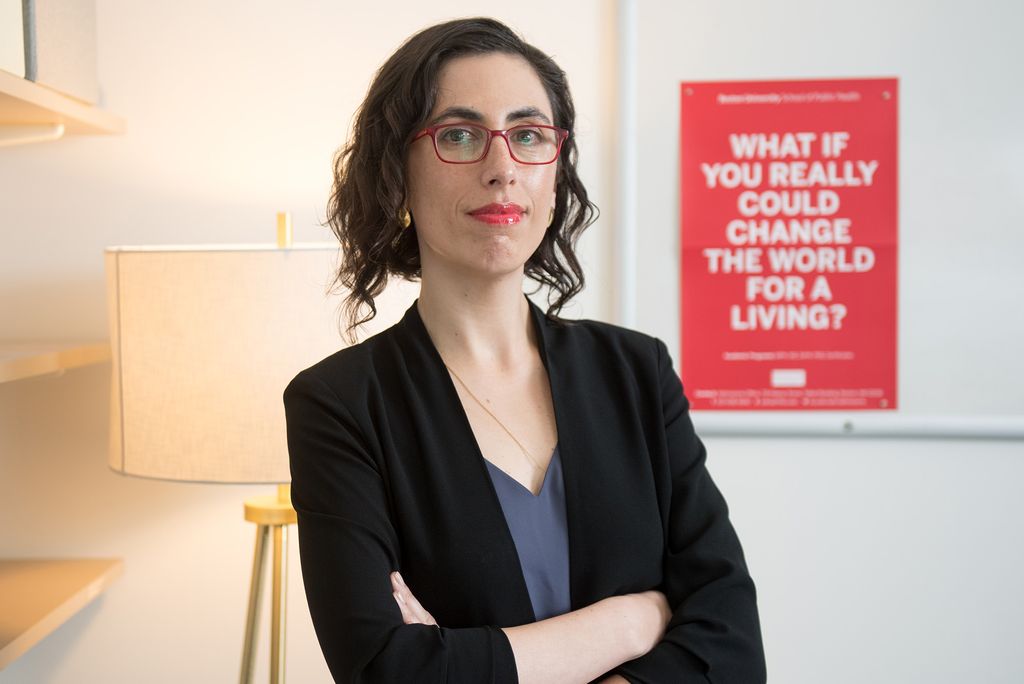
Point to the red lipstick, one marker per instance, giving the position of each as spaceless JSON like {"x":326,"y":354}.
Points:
{"x":504,"y":214}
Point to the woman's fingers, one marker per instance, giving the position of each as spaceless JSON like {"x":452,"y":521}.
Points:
{"x":399,"y":593}
{"x":407,"y":616}
{"x":412,"y":612}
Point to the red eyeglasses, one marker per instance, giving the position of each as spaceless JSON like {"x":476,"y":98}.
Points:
{"x":466,"y":143}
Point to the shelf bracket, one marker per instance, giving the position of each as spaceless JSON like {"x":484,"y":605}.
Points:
{"x":23,"y":134}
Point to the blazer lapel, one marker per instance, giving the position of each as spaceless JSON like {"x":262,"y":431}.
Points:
{"x":615,"y":531}
{"x":475,"y":507}
{"x":558,"y":369}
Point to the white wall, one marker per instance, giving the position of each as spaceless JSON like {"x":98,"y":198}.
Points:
{"x":876,"y":561}
{"x":234,"y":109}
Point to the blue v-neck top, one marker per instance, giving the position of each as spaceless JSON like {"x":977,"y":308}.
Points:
{"x":539,"y":530}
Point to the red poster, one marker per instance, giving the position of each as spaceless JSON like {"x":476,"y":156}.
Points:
{"x":789,"y":239}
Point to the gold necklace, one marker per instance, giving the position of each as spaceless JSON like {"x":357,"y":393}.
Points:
{"x":496,"y":420}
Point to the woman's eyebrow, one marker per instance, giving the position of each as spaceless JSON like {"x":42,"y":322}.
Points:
{"x":470,"y":114}
{"x":458,"y":113}
{"x":528,"y":113}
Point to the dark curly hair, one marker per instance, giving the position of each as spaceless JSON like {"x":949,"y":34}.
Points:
{"x":369,"y":187}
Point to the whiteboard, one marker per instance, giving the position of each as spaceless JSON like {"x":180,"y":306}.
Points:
{"x":961,"y":216}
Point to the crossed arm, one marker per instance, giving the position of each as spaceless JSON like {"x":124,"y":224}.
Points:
{"x":348,"y":546}
{"x":574,"y":647}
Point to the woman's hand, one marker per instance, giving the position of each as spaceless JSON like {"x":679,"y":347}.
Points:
{"x":412,"y":612}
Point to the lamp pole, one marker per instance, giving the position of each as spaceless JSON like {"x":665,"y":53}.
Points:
{"x":272,"y":515}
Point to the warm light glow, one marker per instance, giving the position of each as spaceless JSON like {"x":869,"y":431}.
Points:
{"x":204,"y":341}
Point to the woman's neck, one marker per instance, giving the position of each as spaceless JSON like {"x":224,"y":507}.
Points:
{"x":478,"y":324}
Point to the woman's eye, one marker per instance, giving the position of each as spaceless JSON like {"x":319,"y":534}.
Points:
{"x":528,"y":136}
{"x":458,"y":136}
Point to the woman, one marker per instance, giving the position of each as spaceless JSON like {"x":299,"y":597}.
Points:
{"x":485,"y":492}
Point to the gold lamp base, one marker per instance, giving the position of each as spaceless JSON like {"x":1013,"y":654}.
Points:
{"x":271,"y":514}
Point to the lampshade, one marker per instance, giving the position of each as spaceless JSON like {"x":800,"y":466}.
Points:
{"x":204,"y":339}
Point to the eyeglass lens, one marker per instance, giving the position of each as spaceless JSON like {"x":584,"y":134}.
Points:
{"x":467,"y":143}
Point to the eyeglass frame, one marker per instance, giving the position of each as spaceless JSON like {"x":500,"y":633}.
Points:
{"x":493,"y":133}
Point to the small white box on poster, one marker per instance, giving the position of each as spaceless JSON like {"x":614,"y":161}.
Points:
{"x":789,"y":377}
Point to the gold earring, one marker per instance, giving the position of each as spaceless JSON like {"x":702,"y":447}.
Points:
{"x":404,"y":218}
{"x":551,"y":217}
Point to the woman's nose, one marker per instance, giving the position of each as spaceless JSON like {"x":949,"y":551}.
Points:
{"x":498,"y":167}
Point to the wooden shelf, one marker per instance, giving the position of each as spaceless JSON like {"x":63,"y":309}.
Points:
{"x":26,"y":359}
{"x":38,"y":596}
{"x":25,"y":102}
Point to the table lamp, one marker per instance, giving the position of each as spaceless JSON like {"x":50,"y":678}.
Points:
{"x":204,"y":339}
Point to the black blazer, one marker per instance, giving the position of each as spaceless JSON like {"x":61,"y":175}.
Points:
{"x":387,"y":475}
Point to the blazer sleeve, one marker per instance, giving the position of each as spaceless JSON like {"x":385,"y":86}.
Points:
{"x":714,"y":635}
{"x":348,"y":547}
